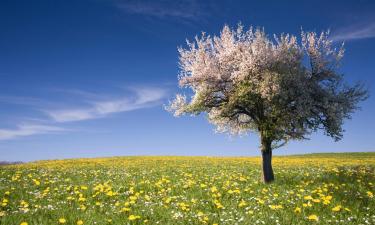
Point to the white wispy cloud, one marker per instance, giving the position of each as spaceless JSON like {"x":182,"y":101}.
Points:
{"x":180,"y":9}
{"x":143,"y":98}
{"x":355,"y":32}
{"x":92,"y":106}
{"x":27,"y":130}
{"x":27,"y":101}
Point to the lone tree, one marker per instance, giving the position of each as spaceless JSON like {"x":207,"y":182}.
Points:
{"x":280,"y":87}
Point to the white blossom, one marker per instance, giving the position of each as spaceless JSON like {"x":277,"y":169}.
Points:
{"x":281,"y":87}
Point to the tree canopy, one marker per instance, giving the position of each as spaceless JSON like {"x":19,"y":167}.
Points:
{"x":281,"y":87}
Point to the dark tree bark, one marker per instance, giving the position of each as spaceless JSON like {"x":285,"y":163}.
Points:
{"x":268,"y":176}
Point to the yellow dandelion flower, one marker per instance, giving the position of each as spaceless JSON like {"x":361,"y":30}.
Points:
{"x":297,"y":210}
{"x":325,"y":202}
{"x":242,"y":203}
{"x":79,"y":222}
{"x":313,"y":217}
{"x":125,"y":209}
{"x":36,"y":182}
{"x":329,"y":197}
{"x":62,"y":220}
{"x":274,"y":207}
{"x":133,"y":217}
{"x":337,"y":208}
{"x":24,"y":223}
{"x":82,"y":207}
{"x":218,"y":204}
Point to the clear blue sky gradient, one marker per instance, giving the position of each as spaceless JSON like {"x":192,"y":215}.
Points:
{"x":72,"y":54}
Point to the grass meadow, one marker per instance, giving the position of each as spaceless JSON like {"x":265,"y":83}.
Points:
{"x":309,"y":189}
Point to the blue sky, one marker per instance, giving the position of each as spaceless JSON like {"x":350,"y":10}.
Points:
{"x":88,"y":78}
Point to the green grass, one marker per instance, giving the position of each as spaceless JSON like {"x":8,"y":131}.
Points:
{"x":190,"y":190}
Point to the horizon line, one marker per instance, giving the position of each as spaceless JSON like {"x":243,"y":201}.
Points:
{"x":8,"y":163}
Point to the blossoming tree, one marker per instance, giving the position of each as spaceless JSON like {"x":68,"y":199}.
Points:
{"x":281,"y":88}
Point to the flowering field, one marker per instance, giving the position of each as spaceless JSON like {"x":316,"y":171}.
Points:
{"x":310,"y":189}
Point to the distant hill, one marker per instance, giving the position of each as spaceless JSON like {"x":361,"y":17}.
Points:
{"x":9,"y":163}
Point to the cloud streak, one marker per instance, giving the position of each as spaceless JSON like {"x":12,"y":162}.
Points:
{"x":143,"y":98}
{"x":27,"y":101}
{"x":180,"y":9}
{"x":355,"y":33}
{"x":93,"y":106}
{"x":27,"y":130}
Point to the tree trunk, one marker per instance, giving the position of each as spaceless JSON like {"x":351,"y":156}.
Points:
{"x":268,"y":176}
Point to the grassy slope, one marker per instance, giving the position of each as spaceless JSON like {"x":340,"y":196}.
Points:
{"x":190,"y":190}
